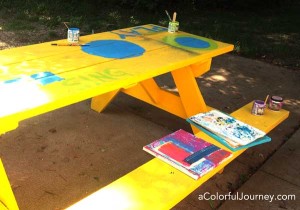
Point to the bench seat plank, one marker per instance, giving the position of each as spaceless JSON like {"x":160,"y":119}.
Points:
{"x":157,"y":185}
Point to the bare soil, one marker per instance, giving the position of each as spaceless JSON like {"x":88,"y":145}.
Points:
{"x":55,"y":159}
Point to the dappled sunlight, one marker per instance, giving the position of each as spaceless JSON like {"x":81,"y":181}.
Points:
{"x":217,"y":78}
{"x":223,"y":71}
{"x":170,"y":89}
{"x":280,"y":37}
{"x":292,"y":102}
{"x":3,"y":44}
{"x":223,"y":92}
{"x":246,"y":79}
{"x":20,"y":95}
{"x":133,"y":190}
{"x":220,"y":76}
{"x":3,"y":69}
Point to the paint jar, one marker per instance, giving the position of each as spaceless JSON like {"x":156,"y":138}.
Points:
{"x":173,"y":26}
{"x":275,"y":103}
{"x":73,"y":35}
{"x":258,"y":107}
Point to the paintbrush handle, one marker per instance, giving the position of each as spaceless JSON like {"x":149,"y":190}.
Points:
{"x":168,"y":15}
{"x":266,"y":100}
{"x":174,"y":16}
{"x":68,"y":44}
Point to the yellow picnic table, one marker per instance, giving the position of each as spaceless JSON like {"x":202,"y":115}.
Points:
{"x":40,"y":78}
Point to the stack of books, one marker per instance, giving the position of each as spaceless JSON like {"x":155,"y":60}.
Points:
{"x":229,"y":131}
{"x":188,"y":153}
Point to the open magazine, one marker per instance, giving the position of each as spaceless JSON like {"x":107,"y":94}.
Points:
{"x":227,"y":130}
{"x":188,"y":153}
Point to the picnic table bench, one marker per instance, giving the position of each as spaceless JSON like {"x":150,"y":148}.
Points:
{"x":157,"y":185}
{"x":40,"y":78}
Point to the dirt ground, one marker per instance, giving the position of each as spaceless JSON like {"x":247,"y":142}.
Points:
{"x":58,"y":158}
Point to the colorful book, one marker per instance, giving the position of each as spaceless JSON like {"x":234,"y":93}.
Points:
{"x":188,"y":153}
{"x":229,"y":131}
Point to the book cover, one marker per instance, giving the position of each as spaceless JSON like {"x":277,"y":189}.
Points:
{"x":229,"y":131}
{"x":188,"y":153}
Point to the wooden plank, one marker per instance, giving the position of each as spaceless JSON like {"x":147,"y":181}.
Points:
{"x":189,"y":92}
{"x":100,"y":102}
{"x":81,"y":76}
{"x":7,"y":198}
{"x":84,"y":83}
{"x":61,"y":58}
{"x":193,"y":43}
{"x":37,"y":51}
{"x":165,"y":99}
{"x":44,"y":57}
{"x":157,"y":185}
{"x":78,"y":75}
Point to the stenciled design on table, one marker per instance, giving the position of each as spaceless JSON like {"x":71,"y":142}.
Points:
{"x":139,"y":31}
{"x":92,"y":79}
{"x":43,"y":78}
{"x":189,"y":42}
{"x":110,"y":48}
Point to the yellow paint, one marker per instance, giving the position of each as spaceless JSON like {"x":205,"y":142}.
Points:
{"x":7,"y":198}
{"x":151,"y":89}
{"x":7,"y":125}
{"x":157,"y":185}
{"x":189,"y":91}
{"x":87,"y":76}
{"x":100,"y":102}
{"x":165,"y":100}
{"x":201,"y":68}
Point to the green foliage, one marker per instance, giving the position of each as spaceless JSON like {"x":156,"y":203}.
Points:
{"x":18,"y":25}
{"x":53,"y":35}
{"x":259,"y":29}
{"x":142,"y":4}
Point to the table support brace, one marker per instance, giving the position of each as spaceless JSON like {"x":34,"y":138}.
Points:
{"x":100,"y":102}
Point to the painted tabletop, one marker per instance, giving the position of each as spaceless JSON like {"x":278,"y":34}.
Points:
{"x":43,"y":76}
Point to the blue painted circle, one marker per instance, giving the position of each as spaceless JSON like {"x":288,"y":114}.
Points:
{"x":192,"y":42}
{"x":113,"y":49}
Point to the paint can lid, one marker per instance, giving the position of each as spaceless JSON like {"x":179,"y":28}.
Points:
{"x":277,"y":98}
{"x":73,"y":29}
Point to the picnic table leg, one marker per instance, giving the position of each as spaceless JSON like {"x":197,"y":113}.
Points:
{"x":190,"y":94}
{"x":188,"y":103}
{"x":149,"y":92}
{"x":190,"y":100}
{"x":8,"y":125}
{"x":100,"y":102}
{"x":7,"y":198}
{"x":189,"y":91}
{"x":201,"y":67}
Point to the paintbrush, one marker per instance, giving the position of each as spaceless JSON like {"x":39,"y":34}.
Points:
{"x":168,"y":15}
{"x":68,"y":44}
{"x":65,"y":23}
{"x":266,"y":99}
{"x":174,"y":16}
